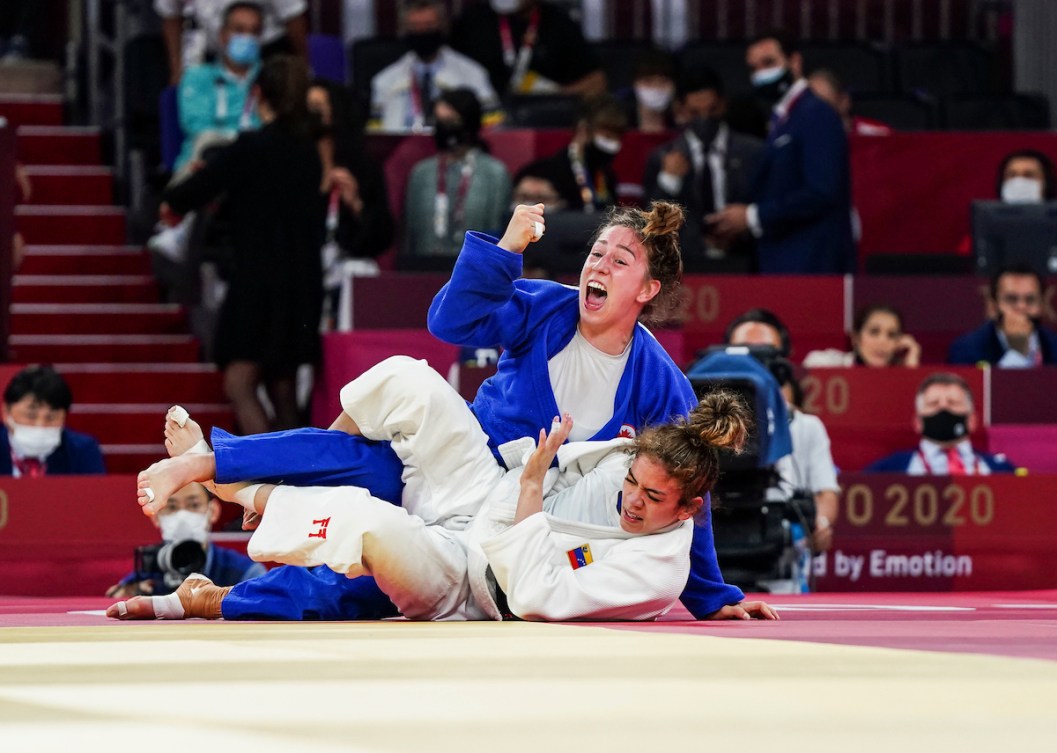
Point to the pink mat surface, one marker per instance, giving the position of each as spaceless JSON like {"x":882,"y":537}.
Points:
{"x":996,"y":623}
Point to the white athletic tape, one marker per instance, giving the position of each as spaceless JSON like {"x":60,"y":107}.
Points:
{"x":179,"y":414}
{"x":122,"y":609}
{"x":149,"y":493}
{"x":246,"y":495}
{"x":167,"y":607}
{"x":537,"y":230}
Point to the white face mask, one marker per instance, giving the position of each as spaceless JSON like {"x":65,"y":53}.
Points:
{"x":33,"y":441}
{"x":505,"y":6}
{"x":766,"y":76}
{"x":654,"y":97}
{"x":1022,"y":190}
{"x":184,"y":524}
{"x":607,"y":145}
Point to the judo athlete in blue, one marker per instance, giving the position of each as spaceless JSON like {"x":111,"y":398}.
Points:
{"x":581,"y":351}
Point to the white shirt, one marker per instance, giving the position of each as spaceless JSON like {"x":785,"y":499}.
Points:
{"x":931,"y":459}
{"x":716,"y":156}
{"x":585,"y":381}
{"x":810,"y":467}
{"x":1014,"y":359}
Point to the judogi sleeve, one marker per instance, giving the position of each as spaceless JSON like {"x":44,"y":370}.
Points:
{"x":636,"y":579}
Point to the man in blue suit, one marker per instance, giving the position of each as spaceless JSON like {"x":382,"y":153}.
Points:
{"x":801,"y":198}
{"x":35,"y":441}
{"x":1014,"y":338}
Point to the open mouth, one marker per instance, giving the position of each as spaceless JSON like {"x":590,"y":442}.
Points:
{"x":596,"y":295}
{"x":631,"y":518}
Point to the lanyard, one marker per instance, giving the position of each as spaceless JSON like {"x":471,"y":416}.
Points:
{"x":441,"y":224}
{"x":221,"y":112}
{"x":975,"y":467}
{"x":332,"y":213}
{"x":417,"y":117}
{"x":518,"y":59}
{"x":589,"y":196}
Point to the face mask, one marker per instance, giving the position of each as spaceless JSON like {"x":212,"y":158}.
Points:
{"x":704,"y":128}
{"x":448,"y":135}
{"x":1021,"y":190}
{"x":426,"y":44}
{"x":244,"y":49}
{"x":608,"y":146}
{"x":505,"y":6}
{"x":34,"y":441}
{"x":655,"y":98}
{"x":183,"y":525}
{"x":771,"y":83}
{"x":945,"y":426}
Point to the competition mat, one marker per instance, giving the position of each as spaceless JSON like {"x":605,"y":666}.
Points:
{"x":840,"y":672}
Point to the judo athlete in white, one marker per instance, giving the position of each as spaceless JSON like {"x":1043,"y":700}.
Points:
{"x":603,"y":536}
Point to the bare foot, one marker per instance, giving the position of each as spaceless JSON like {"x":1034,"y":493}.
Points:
{"x":180,"y":439}
{"x":158,"y":482}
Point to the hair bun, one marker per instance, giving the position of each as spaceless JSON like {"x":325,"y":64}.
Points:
{"x":721,"y":419}
{"x":663,"y":218}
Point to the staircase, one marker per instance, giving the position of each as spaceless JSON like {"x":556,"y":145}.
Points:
{"x":87,"y":302}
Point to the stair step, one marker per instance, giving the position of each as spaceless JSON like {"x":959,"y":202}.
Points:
{"x":97,"y":318}
{"x":103,"y":348}
{"x":43,"y":225}
{"x":180,"y":383}
{"x":131,"y":458}
{"x":71,"y":185}
{"x":58,"y":145}
{"x":140,"y":423}
{"x":84,"y":289}
{"x":31,"y":109}
{"x":85,"y":260}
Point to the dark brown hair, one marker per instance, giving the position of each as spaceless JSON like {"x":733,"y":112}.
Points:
{"x":658,"y":231}
{"x":689,"y":447}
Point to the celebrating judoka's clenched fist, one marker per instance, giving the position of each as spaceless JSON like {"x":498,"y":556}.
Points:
{"x":526,"y":226}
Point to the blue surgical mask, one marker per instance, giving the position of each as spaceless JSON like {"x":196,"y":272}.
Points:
{"x":766,"y":76}
{"x":244,"y":49}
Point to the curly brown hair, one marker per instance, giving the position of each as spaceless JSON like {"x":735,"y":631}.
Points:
{"x":658,"y":231}
{"x":688,"y":448}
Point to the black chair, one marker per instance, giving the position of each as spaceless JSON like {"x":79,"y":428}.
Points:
{"x":725,"y":58}
{"x":542,"y":110}
{"x":943,"y":68}
{"x":618,"y":57}
{"x":996,"y":112}
{"x":146,"y":77}
{"x":904,"y":112}
{"x":859,"y":66}
{"x":369,"y":57}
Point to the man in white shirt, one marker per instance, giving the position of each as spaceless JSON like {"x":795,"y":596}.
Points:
{"x":403,"y":93}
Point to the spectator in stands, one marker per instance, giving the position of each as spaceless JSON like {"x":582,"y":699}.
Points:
{"x":708,"y":166}
{"x":1026,"y":176}
{"x":357,"y":221}
{"x":1014,"y":337}
{"x":653,"y":92}
{"x":801,"y":208}
{"x":20,"y":24}
{"x":533,"y":189}
{"x":402,"y":94}
{"x":582,"y":172}
{"x":269,"y":321}
{"x":460,"y":188}
{"x":36,"y":441}
{"x":189,"y":515}
{"x":944,"y":418}
{"x":193,"y":29}
{"x":810,"y":468}
{"x":877,"y":340}
{"x":529,"y":47}
{"x":215,"y":104}
{"x":825,"y":84}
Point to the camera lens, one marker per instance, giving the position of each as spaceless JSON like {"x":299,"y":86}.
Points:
{"x":183,"y":557}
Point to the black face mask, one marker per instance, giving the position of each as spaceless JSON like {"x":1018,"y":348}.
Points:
{"x":775,"y":90}
{"x":704,"y":128}
{"x":447,"y":135}
{"x":425,"y":44}
{"x":945,"y":426}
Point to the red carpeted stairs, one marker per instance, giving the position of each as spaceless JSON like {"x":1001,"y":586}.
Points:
{"x":87,"y":302}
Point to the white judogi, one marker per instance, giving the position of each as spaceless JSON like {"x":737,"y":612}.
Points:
{"x":424,"y":555}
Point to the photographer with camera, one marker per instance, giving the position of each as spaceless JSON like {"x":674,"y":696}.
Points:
{"x":185,"y":522}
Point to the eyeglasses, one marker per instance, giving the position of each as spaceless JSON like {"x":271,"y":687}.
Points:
{"x":1012,"y":299}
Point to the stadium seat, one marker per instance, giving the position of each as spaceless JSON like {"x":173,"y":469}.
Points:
{"x":942,"y":69}
{"x":172,"y":136}
{"x":146,"y":75}
{"x":918,"y":264}
{"x":725,"y":58}
{"x":542,"y":110}
{"x":326,"y":55}
{"x":904,"y":112}
{"x":619,"y":57}
{"x":996,"y":112}
{"x":369,"y":56}
{"x":859,"y":66}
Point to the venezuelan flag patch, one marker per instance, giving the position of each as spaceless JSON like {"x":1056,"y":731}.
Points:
{"x":580,"y":556}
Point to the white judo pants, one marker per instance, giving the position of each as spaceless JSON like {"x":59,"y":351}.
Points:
{"x":416,"y":553}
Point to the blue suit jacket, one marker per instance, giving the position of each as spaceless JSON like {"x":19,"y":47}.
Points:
{"x":898,"y":462}
{"x":803,"y":193}
{"x":77,"y":453}
{"x":983,"y":345}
